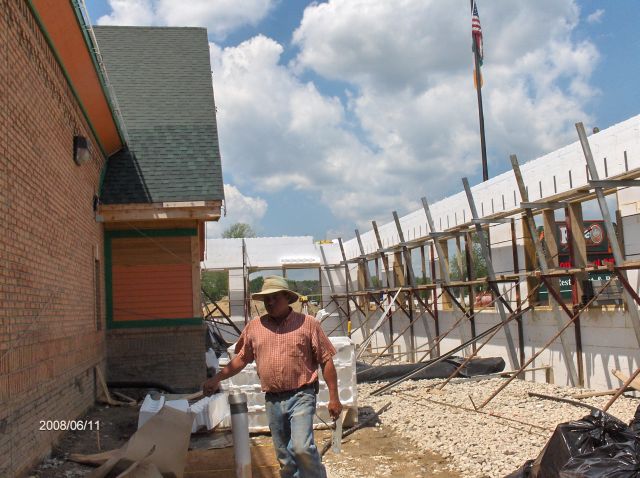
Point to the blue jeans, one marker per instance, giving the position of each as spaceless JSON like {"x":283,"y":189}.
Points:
{"x":290,"y":417}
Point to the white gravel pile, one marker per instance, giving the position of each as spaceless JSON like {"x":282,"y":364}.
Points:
{"x":478,"y":444}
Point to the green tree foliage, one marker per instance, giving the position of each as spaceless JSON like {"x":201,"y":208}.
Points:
{"x":479,"y":264}
{"x":302,"y":287}
{"x":238,"y":230}
{"x":255,"y":285}
{"x":375,"y":282}
{"x":215,"y":284}
{"x":305,"y":287}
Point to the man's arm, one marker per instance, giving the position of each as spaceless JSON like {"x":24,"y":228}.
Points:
{"x":233,"y":367}
{"x":331,"y":377}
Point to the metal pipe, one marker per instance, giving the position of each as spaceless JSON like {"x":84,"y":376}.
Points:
{"x":240,"y":431}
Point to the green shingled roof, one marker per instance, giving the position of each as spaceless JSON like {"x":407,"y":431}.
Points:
{"x":162,"y":81}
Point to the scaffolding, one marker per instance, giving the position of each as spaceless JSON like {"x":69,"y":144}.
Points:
{"x":398,"y":289}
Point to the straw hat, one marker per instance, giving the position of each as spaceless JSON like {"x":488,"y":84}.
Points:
{"x":273,"y":284}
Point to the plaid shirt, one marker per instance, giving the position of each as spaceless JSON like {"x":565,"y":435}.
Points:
{"x":288,"y":353}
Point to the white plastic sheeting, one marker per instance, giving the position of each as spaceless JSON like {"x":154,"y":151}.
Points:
{"x":268,"y":252}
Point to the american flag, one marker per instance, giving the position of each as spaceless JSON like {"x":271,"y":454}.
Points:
{"x":476,"y":32}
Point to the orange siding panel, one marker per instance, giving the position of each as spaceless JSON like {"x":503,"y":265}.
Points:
{"x":148,"y":292}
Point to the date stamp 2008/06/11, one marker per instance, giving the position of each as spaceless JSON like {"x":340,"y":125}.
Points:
{"x":73,"y":425}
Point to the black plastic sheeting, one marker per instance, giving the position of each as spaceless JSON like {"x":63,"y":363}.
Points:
{"x":598,"y":445}
{"x":366,"y":373}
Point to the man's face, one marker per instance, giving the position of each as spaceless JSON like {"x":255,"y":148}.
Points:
{"x":276,"y":304}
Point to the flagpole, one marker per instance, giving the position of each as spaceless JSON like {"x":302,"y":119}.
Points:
{"x":483,"y":146}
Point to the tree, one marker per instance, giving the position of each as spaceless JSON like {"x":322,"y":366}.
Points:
{"x":238,"y":230}
{"x":477,"y":259}
{"x":215,"y":284}
{"x":255,"y":285}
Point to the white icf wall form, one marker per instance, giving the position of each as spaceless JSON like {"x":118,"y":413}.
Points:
{"x":608,"y":339}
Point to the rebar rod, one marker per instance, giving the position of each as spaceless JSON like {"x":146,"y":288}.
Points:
{"x":475,"y":353}
{"x":562,"y":329}
{"x":621,"y":389}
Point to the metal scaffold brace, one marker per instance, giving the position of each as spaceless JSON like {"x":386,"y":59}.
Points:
{"x":595,"y":182}
{"x":544,"y":347}
{"x":484,"y":248}
{"x":444,"y":271}
{"x":515,"y":315}
{"x":544,"y":263}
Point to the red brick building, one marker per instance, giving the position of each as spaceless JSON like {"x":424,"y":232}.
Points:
{"x":80,"y":257}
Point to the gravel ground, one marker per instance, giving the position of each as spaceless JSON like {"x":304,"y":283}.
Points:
{"x":480,"y":444}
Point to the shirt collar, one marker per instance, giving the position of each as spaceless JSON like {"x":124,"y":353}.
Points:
{"x":286,"y":319}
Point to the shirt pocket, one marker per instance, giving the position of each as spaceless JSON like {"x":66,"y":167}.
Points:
{"x":299,"y":348}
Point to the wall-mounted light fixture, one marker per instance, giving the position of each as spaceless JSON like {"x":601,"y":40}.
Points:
{"x":80,"y":150}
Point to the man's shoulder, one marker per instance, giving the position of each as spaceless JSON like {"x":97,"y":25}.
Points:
{"x":308,"y":320}
{"x":253,"y":323}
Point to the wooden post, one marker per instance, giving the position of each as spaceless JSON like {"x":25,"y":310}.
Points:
{"x":347,"y":280}
{"x":632,"y":309}
{"x":492,"y":276}
{"x":543,"y":261}
{"x":435,"y":293}
{"x":577,"y":247}
{"x":443,"y":261}
{"x":551,"y":241}
{"x":367,"y":278}
{"x":577,"y":258}
{"x":383,"y":255}
{"x":425,"y":320}
{"x":412,"y":282}
{"x":470,"y":275}
{"x":516,"y":270}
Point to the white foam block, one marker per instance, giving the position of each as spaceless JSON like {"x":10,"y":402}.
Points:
{"x":210,"y":411}
{"x":149,"y":408}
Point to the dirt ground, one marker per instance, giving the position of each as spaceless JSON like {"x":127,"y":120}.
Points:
{"x":374,"y":451}
{"x":378,"y":451}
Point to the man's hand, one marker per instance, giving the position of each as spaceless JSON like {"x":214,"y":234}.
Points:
{"x":335,"y":408}
{"x":210,"y":386}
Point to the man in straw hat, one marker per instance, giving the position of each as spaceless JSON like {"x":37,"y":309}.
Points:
{"x":288,"y":347}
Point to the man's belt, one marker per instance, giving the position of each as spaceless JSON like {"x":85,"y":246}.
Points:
{"x":315,"y":386}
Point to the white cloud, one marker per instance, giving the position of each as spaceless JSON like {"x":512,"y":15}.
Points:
{"x":128,"y":12}
{"x":409,"y":126}
{"x":595,"y":17}
{"x":219,"y":16}
{"x":239,"y":208}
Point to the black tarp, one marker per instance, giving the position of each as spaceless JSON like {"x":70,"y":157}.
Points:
{"x":598,"y":445}
{"x":366,"y":373}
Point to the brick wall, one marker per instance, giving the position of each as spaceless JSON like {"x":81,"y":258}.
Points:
{"x":49,"y":337}
{"x":170,"y":355}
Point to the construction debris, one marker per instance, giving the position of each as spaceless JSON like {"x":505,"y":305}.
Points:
{"x":159,"y":447}
{"x":595,"y":446}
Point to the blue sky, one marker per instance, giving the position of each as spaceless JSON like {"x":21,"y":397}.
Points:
{"x":332,"y":114}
